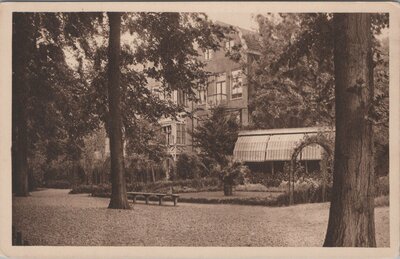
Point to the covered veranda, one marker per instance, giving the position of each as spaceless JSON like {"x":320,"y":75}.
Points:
{"x":267,"y":150}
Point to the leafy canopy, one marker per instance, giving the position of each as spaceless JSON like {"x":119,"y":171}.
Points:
{"x":216,"y":136}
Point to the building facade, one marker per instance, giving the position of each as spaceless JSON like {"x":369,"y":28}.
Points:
{"x":227,"y":86}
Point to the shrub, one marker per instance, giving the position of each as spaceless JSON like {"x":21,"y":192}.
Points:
{"x":193,"y":185}
{"x":251,"y":187}
{"x":382,"y":186}
{"x":58,"y":184}
{"x":232,"y":174}
{"x":236,"y":200}
{"x":309,"y":194}
{"x":189,"y":166}
{"x":267,"y":179}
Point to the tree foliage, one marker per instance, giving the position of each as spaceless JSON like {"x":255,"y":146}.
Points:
{"x":65,"y":94}
{"x":216,"y":136}
{"x":190,"y":166}
{"x":293,"y":78}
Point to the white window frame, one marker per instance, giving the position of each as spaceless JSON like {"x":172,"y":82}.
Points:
{"x":219,"y":93}
{"x":208,"y":54}
{"x":181,"y":134}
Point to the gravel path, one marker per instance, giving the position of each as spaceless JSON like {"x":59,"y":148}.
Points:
{"x":52,"y":217}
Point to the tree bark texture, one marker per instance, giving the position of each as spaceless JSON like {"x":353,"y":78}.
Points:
{"x":119,"y":198}
{"x":20,"y":101}
{"x":351,"y":215}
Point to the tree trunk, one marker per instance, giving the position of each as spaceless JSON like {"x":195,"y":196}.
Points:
{"x":351,"y":215}
{"x":119,"y":198}
{"x":20,"y":101}
{"x":153,"y":177}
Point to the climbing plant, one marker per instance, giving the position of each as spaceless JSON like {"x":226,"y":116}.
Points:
{"x":323,"y":139}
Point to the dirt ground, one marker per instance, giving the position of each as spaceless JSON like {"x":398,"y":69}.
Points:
{"x":53,"y":217}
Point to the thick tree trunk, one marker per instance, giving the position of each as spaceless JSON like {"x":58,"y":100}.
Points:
{"x":19,"y":105}
{"x":21,"y":153}
{"x":351,"y":216}
{"x":119,"y":198}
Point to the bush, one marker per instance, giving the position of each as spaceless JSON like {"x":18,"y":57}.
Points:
{"x":232,"y":174}
{"x":180,"y":186}
{"x":304,"y":194}
{"x":240,"y":201}
{"x":189,"y":166}
{"x":267,"y":179}
{"x":58,"y":184}
{"x":90,"y":188}
{"x":382,"y":186}
{"x":257,"y":187}
{"x":310,"y":191}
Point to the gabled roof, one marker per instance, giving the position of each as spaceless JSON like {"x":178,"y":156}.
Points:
{"x":250,"y":39}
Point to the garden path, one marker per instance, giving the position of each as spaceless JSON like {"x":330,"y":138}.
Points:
{"x":53,"y":217}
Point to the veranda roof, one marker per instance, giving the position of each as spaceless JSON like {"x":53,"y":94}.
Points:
{"x":275,"y":145}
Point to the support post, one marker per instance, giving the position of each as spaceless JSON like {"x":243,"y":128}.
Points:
{"x":291,"y":179}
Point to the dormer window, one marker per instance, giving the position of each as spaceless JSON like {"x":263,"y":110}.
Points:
{"x":208,"y":54}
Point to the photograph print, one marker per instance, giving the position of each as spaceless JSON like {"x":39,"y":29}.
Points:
{"x":200,"y":129}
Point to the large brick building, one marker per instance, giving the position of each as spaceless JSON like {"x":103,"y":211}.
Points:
{"x":227,"y":86}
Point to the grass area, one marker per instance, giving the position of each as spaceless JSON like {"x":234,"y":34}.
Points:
{"x":52,"y":217}
{"x":236,"y":195}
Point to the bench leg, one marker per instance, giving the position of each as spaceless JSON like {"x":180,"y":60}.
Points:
{"x":175,"y":201}
{"x":134,"y":198}
{"x":160,"y":201}
{"x":147,"y":199}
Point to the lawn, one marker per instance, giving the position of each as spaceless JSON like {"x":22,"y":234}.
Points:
{"x":237,"y":194}
{"x":52,"y":217}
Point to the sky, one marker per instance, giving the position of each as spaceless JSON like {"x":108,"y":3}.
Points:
{"x":243,"y":20}
{"x":246,"y":21}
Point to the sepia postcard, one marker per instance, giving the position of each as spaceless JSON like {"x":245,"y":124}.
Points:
{"x":199,"y":129}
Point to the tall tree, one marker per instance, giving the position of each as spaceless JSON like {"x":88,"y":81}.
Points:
{"x":293,"y":81}
{"x":351,"y":216}
{"x":165,"y":53}
{"x":47,"y":94}
{"x":21,"y":38}
{"x":314,"y":39}
{"x":118,"y":193}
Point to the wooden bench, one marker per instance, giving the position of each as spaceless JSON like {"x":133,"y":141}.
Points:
{"x":147,"y":196}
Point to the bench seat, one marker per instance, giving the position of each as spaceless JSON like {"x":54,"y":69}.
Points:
{"x":147,"y":196}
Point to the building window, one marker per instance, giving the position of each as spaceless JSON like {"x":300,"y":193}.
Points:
{"x":202,"y":94}
{"x":180,"y":134}
{"x":236,"y":84}
{"x":219,"y":92}
{"x":168,"y":134}
{"x":181,"y":98}
{"x":208,"y":54}
{"x":229,"y":44}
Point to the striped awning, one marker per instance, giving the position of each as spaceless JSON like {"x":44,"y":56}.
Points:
{"x":258,"y":147}
{"x":251,"y":148}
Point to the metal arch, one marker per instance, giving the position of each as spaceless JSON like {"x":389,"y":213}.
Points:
{"x":311,"y":140}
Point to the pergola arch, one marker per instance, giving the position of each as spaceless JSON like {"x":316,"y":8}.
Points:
{"x":319,"y":139}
